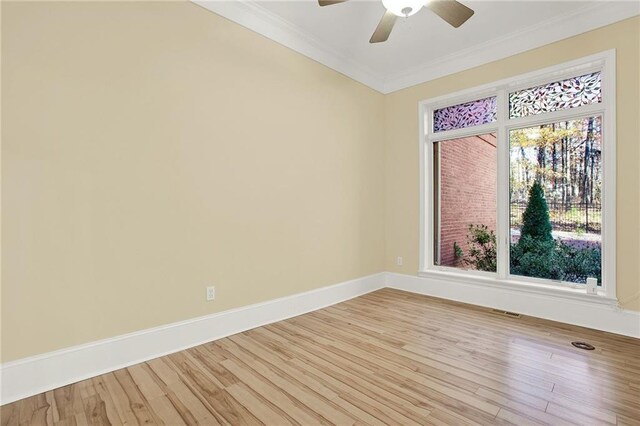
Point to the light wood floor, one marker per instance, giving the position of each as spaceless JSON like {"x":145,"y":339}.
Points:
{"x":385,"y":358}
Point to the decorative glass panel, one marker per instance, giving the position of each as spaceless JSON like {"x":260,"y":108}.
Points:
{"x":569,"y":93}
{"x":468,"y":114}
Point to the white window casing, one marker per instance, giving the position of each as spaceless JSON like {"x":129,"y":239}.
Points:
{"x":603,"y":62}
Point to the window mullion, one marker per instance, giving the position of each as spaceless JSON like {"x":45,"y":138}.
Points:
{"x":502,"y":185}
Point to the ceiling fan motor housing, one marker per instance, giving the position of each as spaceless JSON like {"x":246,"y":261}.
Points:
{"x":403,"y":8}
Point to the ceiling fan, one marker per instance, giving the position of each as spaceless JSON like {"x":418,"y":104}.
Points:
{"x":455,"y":13}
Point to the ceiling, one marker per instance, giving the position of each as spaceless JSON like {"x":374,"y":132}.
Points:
{"x":422,"y":47}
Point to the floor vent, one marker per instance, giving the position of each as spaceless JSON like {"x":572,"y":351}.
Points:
{"x":583,"y":345}
{"x":506,"y":313}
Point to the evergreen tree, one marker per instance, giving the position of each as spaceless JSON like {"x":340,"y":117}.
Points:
{"x":535,"y":220}
{"x":537,"y":254}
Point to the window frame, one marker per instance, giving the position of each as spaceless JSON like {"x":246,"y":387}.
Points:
{"x":603,"y":62}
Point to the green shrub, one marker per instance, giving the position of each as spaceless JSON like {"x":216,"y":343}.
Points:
{"x":579,"y":264}
{"x":555,"y":260}
{"x":482,"y":248}
{"x":534,"y":257}
{"x":457,"y":251}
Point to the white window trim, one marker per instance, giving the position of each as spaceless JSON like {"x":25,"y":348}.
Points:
{"x":605,"y":62}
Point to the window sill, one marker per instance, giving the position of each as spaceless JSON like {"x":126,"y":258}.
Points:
{"x":550,"y":290}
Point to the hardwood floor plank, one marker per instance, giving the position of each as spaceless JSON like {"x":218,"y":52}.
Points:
{"x":256,"y":405}
{"x":523,"y":410}
{"x":509,"y":396}
{"x":388,"y":357}
{"x":443,"y":417}
{"x":166,"y":411}
{"x":284,"y":374}
{"x":355,"y":375}
{"x":67,"y":401}
{"x":164,"y":372}
{"x":180,"y":395}
{"x":288,"y":405}
{"x":350,"y":388}
{"x":115,"y":398}
{"x":145,"y":383}
{"x":316,"y":393}
{"x":296,"y":400}
{"x":628,"y":421}
{"x":582,"y":416}
{"x":220,"y":403}
{"x":95,"y":412}
{"x":10,"y":413}
{"x":52,"y":412}
{"x":345,"y":376}
{"x":378,"y":358}
{"x":81,"y":420}
{"x":136,"y":400}
{"x":517,"y":419}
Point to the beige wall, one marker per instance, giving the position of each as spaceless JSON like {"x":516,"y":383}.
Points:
{"x":150,"y":150}
{"x":401,"y":148}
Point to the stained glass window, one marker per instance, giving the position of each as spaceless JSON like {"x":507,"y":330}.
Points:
{"x":464,"y":115}
{"x":570,"y":93}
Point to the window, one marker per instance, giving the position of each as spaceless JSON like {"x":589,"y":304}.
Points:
{"x":465,"y":179}
{"x":518,"y":179}
{"x":565,"y":159}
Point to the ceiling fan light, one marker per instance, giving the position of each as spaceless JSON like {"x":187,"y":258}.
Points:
{"x":403,"y":8}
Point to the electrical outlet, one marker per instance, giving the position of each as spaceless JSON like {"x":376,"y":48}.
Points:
{"x":399,"y":261}
{"x":211,"y":293}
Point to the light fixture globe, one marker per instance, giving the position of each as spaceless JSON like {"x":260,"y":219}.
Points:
{"x":403,"y":8}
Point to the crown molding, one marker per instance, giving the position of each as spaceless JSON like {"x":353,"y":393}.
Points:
{"x":251,"y":15}
{"x":546,"y":32}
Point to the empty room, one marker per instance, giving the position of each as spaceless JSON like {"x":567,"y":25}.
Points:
{"x":303,"y":212}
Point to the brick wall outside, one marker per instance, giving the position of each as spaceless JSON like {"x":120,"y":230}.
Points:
{"x":468,"y":173}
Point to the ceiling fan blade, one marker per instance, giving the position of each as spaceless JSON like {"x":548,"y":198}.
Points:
{"x":455,"y":13}
{"x":330,"y":2}
{"x":384,"y":28}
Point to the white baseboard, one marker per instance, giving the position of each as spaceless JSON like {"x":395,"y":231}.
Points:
{"x":570,"y":310}
{"x":30,"y":376}
{"x":33,"y":375}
